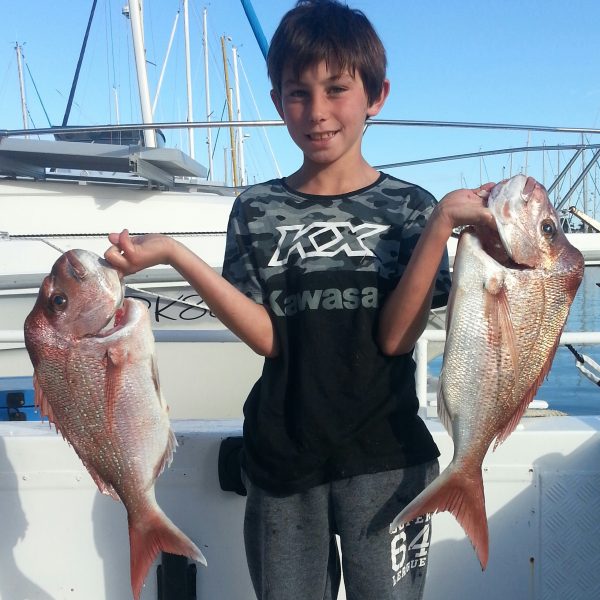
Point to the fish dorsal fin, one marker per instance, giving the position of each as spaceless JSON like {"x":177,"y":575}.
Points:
{"x":42,"y":403}
{"x":167,"y":457}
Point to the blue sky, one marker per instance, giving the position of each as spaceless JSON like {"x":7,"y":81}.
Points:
{"x":501,"y":61}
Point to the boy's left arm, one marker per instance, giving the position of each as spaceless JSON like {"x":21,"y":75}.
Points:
{"x":405,"y":312}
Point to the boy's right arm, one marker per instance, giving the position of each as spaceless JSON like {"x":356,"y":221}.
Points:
{"x":249,"y":320}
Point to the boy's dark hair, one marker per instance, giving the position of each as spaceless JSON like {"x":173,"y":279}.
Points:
{"x":326,"y":30}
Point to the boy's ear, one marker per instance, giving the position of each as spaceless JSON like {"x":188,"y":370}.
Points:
{"x":378,"y":104}
{"x":276,"y":97}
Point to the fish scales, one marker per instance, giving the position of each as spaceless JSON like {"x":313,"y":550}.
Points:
{"x":510,"y":298}
{"x":98,"y":384}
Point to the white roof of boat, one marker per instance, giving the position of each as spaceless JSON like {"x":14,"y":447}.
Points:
{"x":31,"y":158}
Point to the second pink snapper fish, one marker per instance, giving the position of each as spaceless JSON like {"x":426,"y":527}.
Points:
{"x":510,"y":298}
{"x":98,"y":383}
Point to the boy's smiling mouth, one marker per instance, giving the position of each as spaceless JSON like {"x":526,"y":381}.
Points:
{"x":321,"y":135}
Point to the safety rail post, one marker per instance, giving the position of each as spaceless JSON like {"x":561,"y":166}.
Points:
{"x":582,"y":338}
{"x":420,"y":356}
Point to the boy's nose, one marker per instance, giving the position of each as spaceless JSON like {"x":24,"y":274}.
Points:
{"x":318,"y":109}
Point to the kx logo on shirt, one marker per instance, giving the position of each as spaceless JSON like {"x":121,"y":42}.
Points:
{"x":324,"y":239}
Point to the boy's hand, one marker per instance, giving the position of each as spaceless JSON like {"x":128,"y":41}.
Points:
{"x":466,"y":207}
{"x":132,"y":254}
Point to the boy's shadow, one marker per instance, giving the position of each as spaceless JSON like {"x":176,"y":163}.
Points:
{"x":14,"y":584}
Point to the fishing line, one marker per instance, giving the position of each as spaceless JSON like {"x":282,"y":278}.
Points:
{"x":127,"y":285}
{"x":51,"y":245}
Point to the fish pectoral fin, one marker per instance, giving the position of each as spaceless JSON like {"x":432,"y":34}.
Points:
{"x":117,"y":354}
{"x":494,"y":281}
{"x":497,"y":308}
{"x":508,"y":337}
{"x":114,"y":369}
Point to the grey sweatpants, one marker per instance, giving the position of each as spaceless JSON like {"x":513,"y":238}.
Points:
{"x":291,"y":545}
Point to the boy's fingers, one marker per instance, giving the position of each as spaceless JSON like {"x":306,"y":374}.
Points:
{"x":113,"y":256}
{"x":483,"y":191}
{"x":125,"y":241}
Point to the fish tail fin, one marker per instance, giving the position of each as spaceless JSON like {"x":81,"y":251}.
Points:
{"x":148,"y":537}
{"x":460,"y":494}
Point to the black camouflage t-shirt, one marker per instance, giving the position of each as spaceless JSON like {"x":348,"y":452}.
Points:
{"x":330,"y":405}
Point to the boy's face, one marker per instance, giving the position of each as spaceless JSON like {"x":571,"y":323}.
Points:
{"x":325,"y":111}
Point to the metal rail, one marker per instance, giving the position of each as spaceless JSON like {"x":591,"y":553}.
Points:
{"x":275,"y":123}
{"x":15,"y":336}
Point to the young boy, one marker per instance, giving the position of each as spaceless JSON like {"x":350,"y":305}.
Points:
{"x":329,"y":273}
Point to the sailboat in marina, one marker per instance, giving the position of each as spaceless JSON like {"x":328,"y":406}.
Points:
{"x":58,"y":193}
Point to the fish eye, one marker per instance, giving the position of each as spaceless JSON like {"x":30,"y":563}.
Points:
{"x":58,"y":301}
{"x":548,"y":228}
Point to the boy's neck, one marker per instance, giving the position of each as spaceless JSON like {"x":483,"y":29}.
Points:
{"x":330,"y":180}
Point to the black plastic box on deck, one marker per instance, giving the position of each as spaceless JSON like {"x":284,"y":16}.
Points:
{"x":17,"y":400}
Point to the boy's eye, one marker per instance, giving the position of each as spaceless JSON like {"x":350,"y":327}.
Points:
{"x":337,"y":90}
{"x":296,"y":94}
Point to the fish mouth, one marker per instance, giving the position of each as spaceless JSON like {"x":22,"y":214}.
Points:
{"x":118,"y":320}
{"x":510,"y":243}
{"x":493,"y":246}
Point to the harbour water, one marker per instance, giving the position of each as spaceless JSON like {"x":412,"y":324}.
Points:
{"x":566,"y":388}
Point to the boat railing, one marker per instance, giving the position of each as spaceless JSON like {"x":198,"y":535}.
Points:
{"x":15,"y":336}
{"x":166,"y":125}
{"x":584,"y":338}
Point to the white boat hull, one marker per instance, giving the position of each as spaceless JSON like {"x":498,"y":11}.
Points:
{"x":61,"y":539}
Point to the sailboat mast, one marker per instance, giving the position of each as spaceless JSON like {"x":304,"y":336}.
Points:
{"x":188,"y":76}
{"x":207,"y":94}
{"x":21,"y":85}
{"x":135,"y":17}
{"x":240,"y":136}
{"x":230,"y":114}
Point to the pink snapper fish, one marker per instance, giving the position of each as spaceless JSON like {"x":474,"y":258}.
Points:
{"x":98,"y":384}
{"x":509,"y":302}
